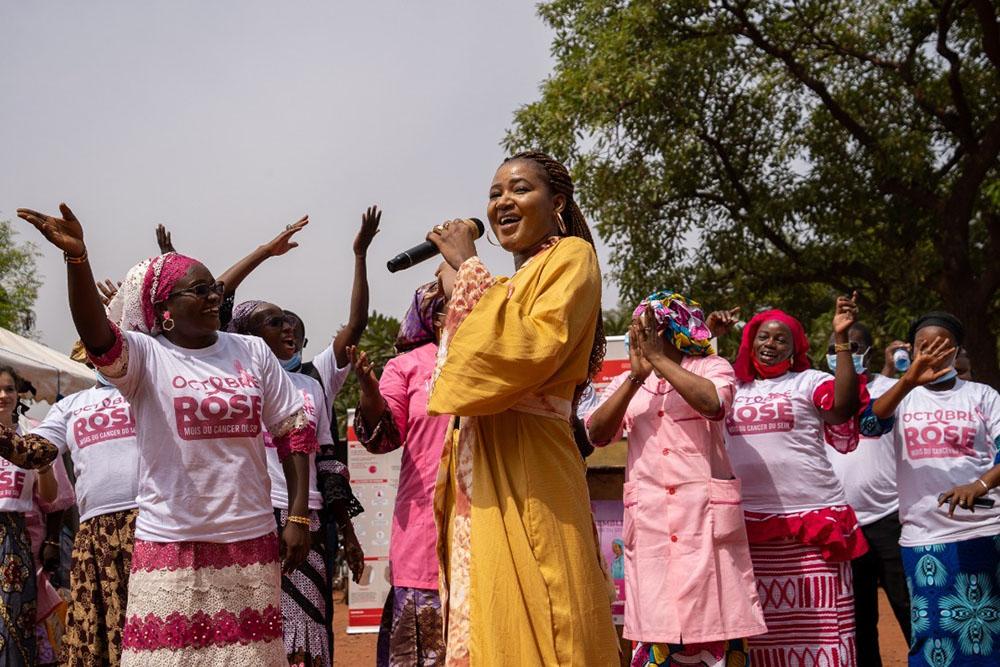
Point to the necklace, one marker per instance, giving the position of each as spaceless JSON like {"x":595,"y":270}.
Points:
{"x":657,"y":392}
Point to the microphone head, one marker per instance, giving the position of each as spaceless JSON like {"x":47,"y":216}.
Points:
{"x":480,"y":227}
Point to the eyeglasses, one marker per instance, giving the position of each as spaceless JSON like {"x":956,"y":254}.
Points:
{"x":277,"y":321}
{"x":201,"y":290}
{"x":855,"y":349}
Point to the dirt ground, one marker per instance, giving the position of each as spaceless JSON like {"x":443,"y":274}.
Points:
{"x":359,"y":650}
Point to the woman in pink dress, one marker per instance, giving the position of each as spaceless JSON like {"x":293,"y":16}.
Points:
{"x":393,"y":413}
{"x":690,"y":594}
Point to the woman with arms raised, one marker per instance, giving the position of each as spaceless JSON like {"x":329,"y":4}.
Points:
{"x":204,"y":587}
{"x":522,"y":580}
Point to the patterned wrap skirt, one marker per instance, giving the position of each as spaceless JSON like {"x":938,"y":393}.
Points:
{"x":102,"y":559}
{"x":808,"y":607}
{"x":18,"y":593}
{"x":196,"y":604}
{"x":727,"y":653}
{"x":304,"y":612}
{"x":954,"y":603}
{"x":410,"y":634}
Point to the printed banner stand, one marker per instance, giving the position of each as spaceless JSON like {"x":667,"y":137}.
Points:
{"x":374,"y":478}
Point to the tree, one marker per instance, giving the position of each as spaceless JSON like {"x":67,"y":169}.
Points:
{"x":757,"y":152}
{"x":18,"y":281}
{"x":378,"y":341}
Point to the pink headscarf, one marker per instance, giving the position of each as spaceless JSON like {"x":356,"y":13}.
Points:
{"x":744,"y":366}
{"x":146,"y":284}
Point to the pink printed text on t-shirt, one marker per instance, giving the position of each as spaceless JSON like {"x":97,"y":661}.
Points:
{"x":11,"y":480}
{"x":110,"y":419}
{"x":761,"y":414}
{"x":939,"y":433}
{"x":222,"y":410}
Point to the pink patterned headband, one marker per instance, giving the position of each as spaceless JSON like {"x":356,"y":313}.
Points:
{"x":161,"y":276}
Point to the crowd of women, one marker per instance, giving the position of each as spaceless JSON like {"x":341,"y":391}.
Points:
{"x":765,"y":501}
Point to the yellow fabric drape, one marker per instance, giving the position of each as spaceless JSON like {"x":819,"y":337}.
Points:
{"x":521,"y":575}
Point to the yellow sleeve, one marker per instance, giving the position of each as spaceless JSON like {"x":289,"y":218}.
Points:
{"x":521,"y":334}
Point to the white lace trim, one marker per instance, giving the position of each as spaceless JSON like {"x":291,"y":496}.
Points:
{"x":235,"y":588}
{"x":257,"y":654}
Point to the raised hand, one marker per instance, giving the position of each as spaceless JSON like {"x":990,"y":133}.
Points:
{"x":65,"y":233}
{"x":721,"y":322}
{"x":370,"y":220}
{"x":846,"y":313}
{"x":928,"y":357}
{"x":640,"y":366}
{"x":456,"y":239}
{"x":108,"y":289}
{"x":283,"y":242}
{"x":163,"y":240}
{"x":651,"y":343}
{"x":364,"y":369}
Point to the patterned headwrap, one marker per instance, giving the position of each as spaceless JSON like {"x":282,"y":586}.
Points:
{"x":240,"y":322}
{"x":417,"y":327}
{"x":680,"y":320}
{"x":146,"y":284}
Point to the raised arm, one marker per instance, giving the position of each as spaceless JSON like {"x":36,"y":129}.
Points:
{"x":277,"y":246}
{"x":605,"y":422}
{"x":921,"y":371}
{"x":698,"y":392}
{"x":845,"y":383}
{"x":350,"y":334}
{"x":89,"y":317}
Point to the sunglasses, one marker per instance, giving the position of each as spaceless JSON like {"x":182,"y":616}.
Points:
{"x":855,"y":349}
{"x":201,"y":290}
{"x":277,"y":321}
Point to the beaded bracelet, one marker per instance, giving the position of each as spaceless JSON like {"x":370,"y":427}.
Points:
{"x":301,"y":520}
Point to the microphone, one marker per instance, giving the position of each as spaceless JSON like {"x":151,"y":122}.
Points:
{"x":424,"y":251}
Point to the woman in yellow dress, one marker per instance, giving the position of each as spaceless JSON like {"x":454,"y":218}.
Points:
{"x":521,"y":577}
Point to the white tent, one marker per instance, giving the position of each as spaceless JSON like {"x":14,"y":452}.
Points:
{"x":52,"y":373}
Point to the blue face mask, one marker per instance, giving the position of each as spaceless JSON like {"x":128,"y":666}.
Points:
{"x":950,"y":375}
{"x":101,"y":380}
{"x":859,"y":363}
{"x":292,"y":362}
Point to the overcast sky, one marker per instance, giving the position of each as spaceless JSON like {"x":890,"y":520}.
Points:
{"x":227,"y":120}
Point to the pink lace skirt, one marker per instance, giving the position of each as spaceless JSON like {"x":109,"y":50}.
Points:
{"x":204,"y":603}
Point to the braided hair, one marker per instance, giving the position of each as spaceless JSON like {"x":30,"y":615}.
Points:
{"x":559,"y":182}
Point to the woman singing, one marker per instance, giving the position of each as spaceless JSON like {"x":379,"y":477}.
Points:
{"x":521,"y":571}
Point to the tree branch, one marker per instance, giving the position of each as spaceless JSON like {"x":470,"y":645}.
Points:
{"x":967,"y":134}
{"x":991,"y":30}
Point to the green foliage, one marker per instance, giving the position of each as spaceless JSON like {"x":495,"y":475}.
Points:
{"x":757,"y":153}
{"x":19,"y":281}
{"x":616,"y":320}
{"x":378,"y":341}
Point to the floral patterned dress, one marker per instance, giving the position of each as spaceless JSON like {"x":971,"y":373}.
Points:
{"x":18,"y":591}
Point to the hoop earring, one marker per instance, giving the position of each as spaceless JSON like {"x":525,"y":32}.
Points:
{"x":168,"y":323}
{"x":489,"y":239}
{"x":562,"y":225}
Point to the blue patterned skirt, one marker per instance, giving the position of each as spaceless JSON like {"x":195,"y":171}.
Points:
{"x":955,"y":603}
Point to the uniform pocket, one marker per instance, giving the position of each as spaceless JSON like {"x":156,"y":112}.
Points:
{"x":726,"y":509}
{"x":630,"y":498}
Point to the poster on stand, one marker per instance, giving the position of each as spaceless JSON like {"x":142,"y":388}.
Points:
{"x":374,"y":478}
{"x":608,"y":516}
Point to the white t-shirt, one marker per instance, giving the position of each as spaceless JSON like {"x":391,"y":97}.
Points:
{"x":96,"y":426}
{"x":16,"y":485}
{"x":313,"y":400}
{"x":774,"y":435}
{"x":868,"y":474}
{"x":944,"y":439}
{"x":202,"y":467}
{"x":333,"y":376}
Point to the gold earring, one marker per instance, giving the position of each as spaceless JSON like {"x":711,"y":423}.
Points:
{"x":562,"y":225}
